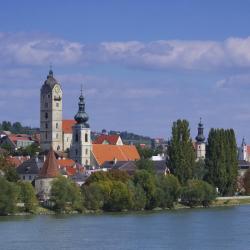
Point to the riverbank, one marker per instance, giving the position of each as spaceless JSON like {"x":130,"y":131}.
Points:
{"x":219,"y":202}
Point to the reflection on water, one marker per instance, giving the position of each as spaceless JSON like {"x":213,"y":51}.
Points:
{"x":214,"y":228}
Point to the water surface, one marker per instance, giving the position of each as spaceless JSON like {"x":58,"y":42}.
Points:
{"x":213,"y":228}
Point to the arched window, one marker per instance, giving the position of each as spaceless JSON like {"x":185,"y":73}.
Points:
{"x":57,"y":136}
{"x":76,"y":137}
{"x":46,"y":115}
{"x":56,"y":125}
{"x":86,"y":137}
{"x":86,"y":151}
{"x":46,"y":125}
{"x":87,"y":162}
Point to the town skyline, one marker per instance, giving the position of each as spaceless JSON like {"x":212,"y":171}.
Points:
{"x":157,"y":75}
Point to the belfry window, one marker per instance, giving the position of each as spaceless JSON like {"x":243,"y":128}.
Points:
{"x":76,"y":137}
{"x":46,"y":115}
{"x":46,"y":125}
{"x":56,"y":125}
{"x":86,"y":137}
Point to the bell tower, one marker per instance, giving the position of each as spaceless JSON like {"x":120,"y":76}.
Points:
{"x":200,"y":143}
{"x":51,"y":114}
{"x":81,"y":147}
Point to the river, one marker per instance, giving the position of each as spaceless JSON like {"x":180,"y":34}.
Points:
{"x":212,"y":228}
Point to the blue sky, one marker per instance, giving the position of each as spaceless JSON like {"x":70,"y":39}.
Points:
{"x":143,"y":64}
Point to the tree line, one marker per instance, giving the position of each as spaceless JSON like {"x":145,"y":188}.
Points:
{"x":220,"y":166}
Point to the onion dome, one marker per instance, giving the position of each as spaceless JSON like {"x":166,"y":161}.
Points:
{"x":81,"y":117}
{"x":200,"y":137}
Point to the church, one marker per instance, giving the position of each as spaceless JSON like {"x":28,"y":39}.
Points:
{"x":74,"y":136}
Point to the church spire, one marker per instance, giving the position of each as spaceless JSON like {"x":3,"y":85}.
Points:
{"x":200,"y":137}
{"x":81,"y":117}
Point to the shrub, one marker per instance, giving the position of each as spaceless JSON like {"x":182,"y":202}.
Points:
{"x":197,"y":192}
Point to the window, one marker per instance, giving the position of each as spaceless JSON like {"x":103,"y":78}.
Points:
{"x":46,"y":125}
{"x":76,"y":151}
{"x":87,"y":162}
{"x":86,"y":151}
{"x":23,"y":177}
{"x":29,"y":177}
{"x":57,"y":136}
{"x":46,"y":136}
{"x":56,"y":125}
{"x":76,"y":137}
{"x":46,"y":105}
{"x":57,"y":104}
{"x":46,"y":115}
{"x":48,"y":96}
{"x":86,"y":137}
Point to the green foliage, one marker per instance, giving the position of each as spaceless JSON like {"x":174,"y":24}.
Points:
{"x":170,"y":187}
{"x":221,"y":160}
{"x":120,"y":197}
{"x":145,"y":164}
{"x":181,"y":151}
{"x":8,"y":170}
{"x":8,"y":197}
{"x":246,"y":182}
{"x":138,"y":196}
{"x":145,"y":153}
{"x":66,"y":195}
{"x":199,"y":171}
{"x":111,"y":175}
{"x":147,"y":181}
{"x":30,"y":150}
{"x":27,"y":196}
{"x":197,"y":192}
{"x":96,"y":194}
{"x":16,"y":128}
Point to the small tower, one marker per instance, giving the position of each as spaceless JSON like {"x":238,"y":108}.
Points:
{"x":81,"y":147}
{"x":48,"y":172}
{"x":243,"y":151}
{"x":200,"y":143}
{"x":51,"y":114}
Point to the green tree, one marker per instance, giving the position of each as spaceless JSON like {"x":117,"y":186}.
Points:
{"x":145,"y":153}
{"x":145,"y":164}
{"x":200,"y":170}
{"x":246,"y":182}
{"x":181,"y":151}
{"x":171,"y":190}
{"x":120,"y":197}
{"x":197,"y":192}
{"x":8,"y":197}
{"x":221,"y":160}
{"x":66,"y":195}
{"x":147,"y":181}
{"x":139,"y":198}
{"x":27,"y":195}
{"x":96,"y":194}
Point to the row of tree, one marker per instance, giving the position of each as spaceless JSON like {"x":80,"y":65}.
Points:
{"x":16,"y":128}
{"x":220,"y":167}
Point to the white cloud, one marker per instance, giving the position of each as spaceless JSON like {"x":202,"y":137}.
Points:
{"x":235,"y":81}
{"x":39,"y":49}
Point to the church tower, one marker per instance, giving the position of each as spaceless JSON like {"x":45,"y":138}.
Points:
{"x":243,"y":151}
{"x":200,"y":143}
{"x":81,"y":146}
{"x":51,"y":114}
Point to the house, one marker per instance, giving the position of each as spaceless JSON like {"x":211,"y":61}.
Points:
{"x":108,"y":139}
{"x":67,"y":133}
{"x":16,"y":141}
{"x":105,"y":152}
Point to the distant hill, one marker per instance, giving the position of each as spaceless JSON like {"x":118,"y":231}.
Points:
{"x":17,"y":128}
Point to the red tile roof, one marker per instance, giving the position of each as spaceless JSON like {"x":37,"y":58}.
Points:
{"x":17,"y":160}
{"x":67,"y":126}
{"x":19,"y":137}
{"x":50,"y":167}
{"x":106,"y":152}
{"x":111,"y":139}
